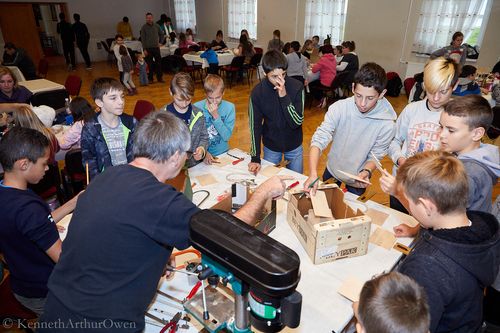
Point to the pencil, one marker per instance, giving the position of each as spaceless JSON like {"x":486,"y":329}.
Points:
{"x":310,"y":186}
{"x":87,"y":172}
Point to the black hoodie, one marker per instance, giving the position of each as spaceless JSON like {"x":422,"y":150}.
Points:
{"x":454,"y":266}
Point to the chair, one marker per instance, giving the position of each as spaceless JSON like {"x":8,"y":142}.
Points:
{"x":235,"y":67}
{"x":253,"y":66}
{"x":408,"y":84}
{"x":203,"y":45}
{"x":43,"y":68}
{"x":73,"y":175}
{"x":73,"y":84}
{"x":54,"y":98}
{"x":111,"y":54}
{"x":142,"y":108}
{"x":50,"y":186}
{"x":192,"y":70}
{"x":110,"y":41}
{"x":259,"y":50}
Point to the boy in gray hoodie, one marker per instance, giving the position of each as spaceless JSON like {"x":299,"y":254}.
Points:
{"x":360,"y":126}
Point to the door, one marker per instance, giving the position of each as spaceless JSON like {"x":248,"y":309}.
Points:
{"x":17,"y":22}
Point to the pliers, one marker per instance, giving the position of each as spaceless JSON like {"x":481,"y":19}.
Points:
{"x":171,"y":326}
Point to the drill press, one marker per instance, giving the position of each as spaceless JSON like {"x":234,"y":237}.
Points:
{"x":262,"y":272}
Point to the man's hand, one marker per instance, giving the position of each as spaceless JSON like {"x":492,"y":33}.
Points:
{"x":213,"y":109}
{"x":363,"y":175}
{"x":274,"y":187}
{"x":388,"y":183}
{"x":209,"y":159}
{"x":404,"y":230}
{"x":198,"y":154}
{"x":314,"y":188}
{"x":254,"y":167}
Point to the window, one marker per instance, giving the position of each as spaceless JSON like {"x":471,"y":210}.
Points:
{"x":439,"y":20}
{"x":185,"y":15}
{"x":242,"y":14}
{"x":325,"y":17}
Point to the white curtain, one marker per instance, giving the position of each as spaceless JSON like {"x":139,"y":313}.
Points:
{"x":325,"y":17}
{"x":242,"y":14}
{"x":185,"y":15}
{"x":440,"y":19}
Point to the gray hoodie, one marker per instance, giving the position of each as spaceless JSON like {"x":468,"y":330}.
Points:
{"x":354,"y":135}
{"x":483,"y":168}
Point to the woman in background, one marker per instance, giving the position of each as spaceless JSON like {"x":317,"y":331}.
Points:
{"x":455,"y":51}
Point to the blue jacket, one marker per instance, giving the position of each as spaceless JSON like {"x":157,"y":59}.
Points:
{"x":94,"y":148}
{"x":211,"y":56}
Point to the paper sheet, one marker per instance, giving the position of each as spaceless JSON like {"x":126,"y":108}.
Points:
{"x":377,"y":216}
{"x":320,"y":205}
{"x":223,"y":161}
{"x":351,"y":288}
{"x":383,"y":238}
{"x":359,"y":179}
{"x":270,"y":171}
{"x":64,"y":223}
{"x":206,"y":180}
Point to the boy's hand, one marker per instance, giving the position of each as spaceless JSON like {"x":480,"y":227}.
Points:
{"x":169,"y":275}
{"x":388,"y":183}
{"x":312,"y":190}
{"x":198,"y":154}
{"x":404,"y":230}
{"x":213,"y":109}
{"x":60,"y":228}
{"x":209,"y":159}
{"x":131,"y":72}
{"x":254,"y":167}
{"x":280,"y":86}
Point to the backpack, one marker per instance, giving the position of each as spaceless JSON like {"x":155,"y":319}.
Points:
{"x":394,"y":84}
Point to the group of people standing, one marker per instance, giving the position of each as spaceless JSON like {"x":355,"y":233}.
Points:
{"x":71,"y":33}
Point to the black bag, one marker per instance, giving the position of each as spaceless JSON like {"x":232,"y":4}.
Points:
{"x":394,"y":84}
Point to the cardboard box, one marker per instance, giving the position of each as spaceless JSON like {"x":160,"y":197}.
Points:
{"x":266,"y":223}
{"x":327,"y":239}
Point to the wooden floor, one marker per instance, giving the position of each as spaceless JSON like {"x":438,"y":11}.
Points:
{"x":158,"y":94}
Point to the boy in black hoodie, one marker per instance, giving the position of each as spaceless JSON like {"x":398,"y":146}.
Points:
{"x":276,"y":112}
{"x":457,"y":253}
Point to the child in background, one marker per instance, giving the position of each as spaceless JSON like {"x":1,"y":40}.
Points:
{"x":143,"y":69}
{"x":182,"y":91}
{"x":82,"y":111}
{"x":107,"y":138}
{"x":212,"y":59}
{"x":466,"y":82}
{"x":417,"y":127}
{"x":456,"y":254}
{"x":392,"y":303}
{"x":128,"y":70}
{"x":29,"y":239}
{"x":219,"y":117}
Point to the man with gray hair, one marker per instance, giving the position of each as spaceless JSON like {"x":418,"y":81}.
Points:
{"x":124,"y":229}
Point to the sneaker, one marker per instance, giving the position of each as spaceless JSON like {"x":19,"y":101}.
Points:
{"x":89,"y":68}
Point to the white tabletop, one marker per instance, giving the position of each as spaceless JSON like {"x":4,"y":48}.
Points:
{"x":36,"y":86}
{"x":168,"y":50}
{"x":17,"y":73}
{"x":134,"y":45}
{"x":224,"y":58}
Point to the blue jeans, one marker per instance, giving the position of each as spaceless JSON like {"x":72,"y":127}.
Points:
{"x":355,"y":190}
{"x":294,"y":156}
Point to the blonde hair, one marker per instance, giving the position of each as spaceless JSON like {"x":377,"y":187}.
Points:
{"x":5,"y":71}
{"x":182,"y":84}
{"x":212,"y":83}
{"x":25,"y":117}
{"x":440,"y":73}
{"x":438,"y":176}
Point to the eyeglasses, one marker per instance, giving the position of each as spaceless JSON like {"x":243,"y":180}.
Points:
{"x":189,"y":154}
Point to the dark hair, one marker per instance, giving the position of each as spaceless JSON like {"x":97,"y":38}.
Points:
{"x":371,"y":75}
{"x":172,"y":36}
{"x":163,"y":17}
{"x":349,"y":44}
{"x":475,"y":110}
{"x":118,"y":36}
{"x":148,"y":13}
{"x":468,"y":70}
{"x":159,"y":135}
{"x":315,"y":37}
{"x":393,"y":302}
{"x":19,"y":143}
{"x":286,"y":48}
{"x":122,"y":50}
{"x":125,"y":19}
{"x":182,"y":37}
{"x":76,"y":17}
{"x":295,"y":45}
{"x":339,"y":48}
{"x":104,"y":85}
{"x":62,"y":16}
{"x":456,"y":35}
{"x":277,"y":33}
{"x":326,"y":49}
{"x":219,"y":33}
{"x":245,"y":44}
{"x":10,"y":45}
{"x":274,"y":59}
{"x":81,"y":109}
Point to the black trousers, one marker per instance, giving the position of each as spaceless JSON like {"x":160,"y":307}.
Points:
{"x":154,"y":62}
{"x":69,"y":53}
{"x":84,"y":51}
